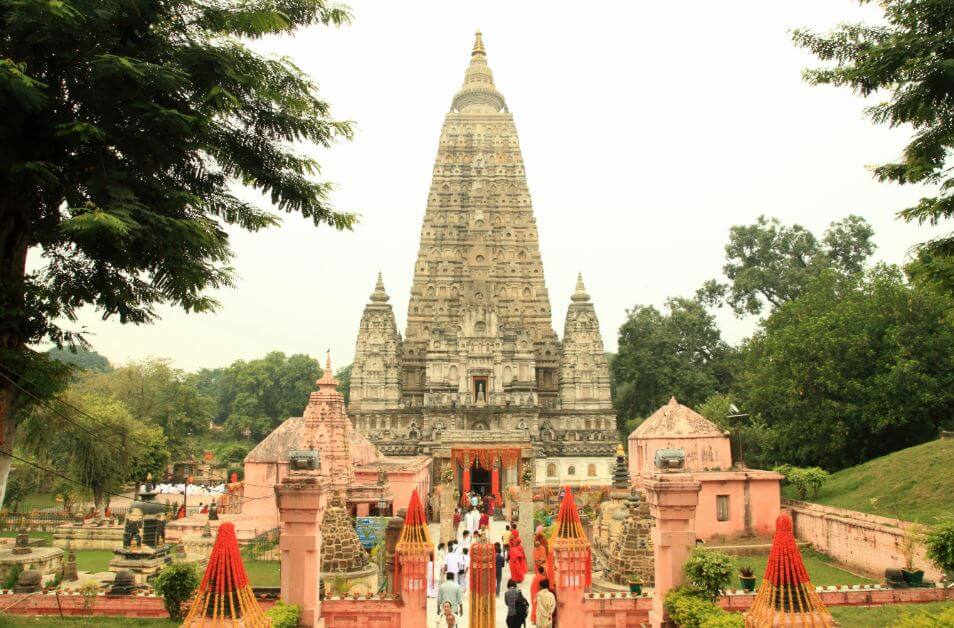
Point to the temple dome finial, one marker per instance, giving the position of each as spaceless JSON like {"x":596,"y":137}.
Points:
{"x":580,"y":295}
{"x":478,"y":94}
{"x":478,"y":45}
{"x":379,"y":295}
{"x":328,"y":377}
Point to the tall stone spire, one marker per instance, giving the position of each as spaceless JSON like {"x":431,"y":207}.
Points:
{"x":479,"y":278}
{"x":376,"y":372}
{"x":328,"y":429}
{"x":584,"y":372}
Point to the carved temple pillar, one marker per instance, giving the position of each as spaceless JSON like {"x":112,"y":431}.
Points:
{"x":672,"y":502}
{"x":525,"y":523}
{"x":301,"y":505}
{"x":495,"y":484}
{"x":448,"y":504}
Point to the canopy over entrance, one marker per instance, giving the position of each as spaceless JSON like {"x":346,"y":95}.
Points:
{"x":478,"y":469}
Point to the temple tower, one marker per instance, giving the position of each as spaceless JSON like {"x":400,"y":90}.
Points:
{"x":328,"y":429}
{"x":480,"y":366}
{"x":376,"y":374}
{"x":584,"y":372}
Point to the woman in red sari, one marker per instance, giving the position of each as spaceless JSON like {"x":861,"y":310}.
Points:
{"x":534,"y":588}
{"x":518,"y":558}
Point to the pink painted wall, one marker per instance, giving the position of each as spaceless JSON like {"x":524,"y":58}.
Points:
{"x":403,"y":483}
{"x":621,"y":610}
{"x":373,"y":613}
{"x":702,"y":453}
{"x":865,"y":542}
{"x":764,"y":500}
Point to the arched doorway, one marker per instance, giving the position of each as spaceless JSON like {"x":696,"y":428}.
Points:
{"x":480,"y":479}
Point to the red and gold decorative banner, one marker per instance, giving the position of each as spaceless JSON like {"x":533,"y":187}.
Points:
{"x":225,"y":596}
{"x":786,"y":595}
{"x":483,"y":585}
{"x":486,"y":457}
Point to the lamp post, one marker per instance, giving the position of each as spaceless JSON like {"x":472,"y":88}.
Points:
{"x":739,"y":416}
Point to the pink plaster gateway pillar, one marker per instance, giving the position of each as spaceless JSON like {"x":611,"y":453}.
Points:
{"x":672,"y":502}
{"x":301,"y":504}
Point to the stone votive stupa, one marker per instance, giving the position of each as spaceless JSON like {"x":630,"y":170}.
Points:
{"x":343,"y":558}
{"x":44,"y":560}
{"x":144,"y":550}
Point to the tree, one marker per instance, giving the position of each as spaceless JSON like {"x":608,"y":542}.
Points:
{"x":344,"y":382}
{"x":82,"y":358}
{"x":856,"y":367}
{"x":908,"y":58}
{"x":124,"y":126}
{"x":252,"y":398}
{"x":99,"y":448}
{"x":156,"y":394}
{"x":768,"y":263}
{"x":708,"y":572}
{"x":679,"y":353}
{"x":940,"y":546}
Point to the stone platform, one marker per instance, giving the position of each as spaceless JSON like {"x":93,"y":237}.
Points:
{"x":246,"y":527}
{"x":88,"y":537}
{"x":46,"y":560}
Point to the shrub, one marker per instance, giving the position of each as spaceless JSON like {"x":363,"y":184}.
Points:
{"x":939,"y":619}
{"x":89,"y":591}
{"x":708,"y":571}
{"x":940,"y":547}
{"x":805,"y":480}
{"x":12,"y":576}
{"x":688,"y":609}
{"x":724,"y":620}
{"x":176,"y":583}
{"x":284,"y":615}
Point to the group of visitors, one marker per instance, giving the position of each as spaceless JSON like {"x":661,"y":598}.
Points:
{"x":449,"y":568}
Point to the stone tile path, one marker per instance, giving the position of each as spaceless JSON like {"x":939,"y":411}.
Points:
{"x":496,"y":531}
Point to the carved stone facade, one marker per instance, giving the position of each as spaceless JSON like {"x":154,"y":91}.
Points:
{"x":480,"y":354}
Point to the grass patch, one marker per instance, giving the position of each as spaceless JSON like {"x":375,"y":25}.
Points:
{"x":821,"y":569}
{"x":93,"y":561}
{"x":904,"y":482}
{"x":264,"y":573}
{"x":46,"y":536}
{"x":18,"y":621}
{"x":880,"y":616}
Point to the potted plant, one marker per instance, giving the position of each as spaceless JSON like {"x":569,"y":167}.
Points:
{"x":747,"y":579}
{"x":636,"y":585}
{"x":910,"y":540}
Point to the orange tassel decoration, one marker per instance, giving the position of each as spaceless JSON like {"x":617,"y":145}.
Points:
{"x":786,"y":596}
{"x":225,"y":596}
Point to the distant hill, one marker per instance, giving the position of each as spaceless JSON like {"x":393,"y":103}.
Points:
{"x":82,"y":359}
{"x":916,"y":484}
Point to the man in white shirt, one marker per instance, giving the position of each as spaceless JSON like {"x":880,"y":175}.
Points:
{"x":472,"y":521}
{"x":465,"y":570}
{"x":466,"y":540}
{"x":452,"y":562}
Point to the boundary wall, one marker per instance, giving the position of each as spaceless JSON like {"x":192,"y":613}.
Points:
{"x":867,"y":543}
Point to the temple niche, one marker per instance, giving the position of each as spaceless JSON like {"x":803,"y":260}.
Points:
{"x":480,"y":365}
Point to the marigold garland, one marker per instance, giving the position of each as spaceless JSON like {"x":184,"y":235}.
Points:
{"x":225,"y":596}
{"x":786,"y":595}
{"x":568,"y":536}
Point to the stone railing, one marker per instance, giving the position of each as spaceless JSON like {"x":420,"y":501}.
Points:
{"x":867,"y":543}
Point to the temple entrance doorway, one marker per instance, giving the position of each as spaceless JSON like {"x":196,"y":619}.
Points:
{"x":480,"y":479}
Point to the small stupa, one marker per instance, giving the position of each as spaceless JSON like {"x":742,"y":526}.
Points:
{"x":225,"y":596}
{"x":343,"y":558}
{"x":786,"y":596}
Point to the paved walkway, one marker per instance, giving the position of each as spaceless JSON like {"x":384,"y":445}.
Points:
{"x":496,"y":531}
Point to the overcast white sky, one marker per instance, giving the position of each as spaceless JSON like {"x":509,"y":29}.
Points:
{"x":647,"y":129}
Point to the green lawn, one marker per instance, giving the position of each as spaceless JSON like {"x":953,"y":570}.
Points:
{"x":15,"y":621}
{"x":263,"y":573}
{"x":880,"y":616}
{"x":821,"y":569}
{"x":93,"y":561}
{"x":906,"y":482}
